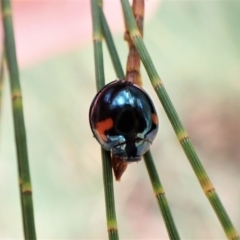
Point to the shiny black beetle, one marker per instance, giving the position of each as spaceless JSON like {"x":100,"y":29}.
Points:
{"x":123,"y":120}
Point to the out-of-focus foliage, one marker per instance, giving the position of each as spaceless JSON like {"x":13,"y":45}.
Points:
{"x":195,"y":46}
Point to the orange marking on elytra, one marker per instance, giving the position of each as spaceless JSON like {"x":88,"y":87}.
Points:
{"x":104,"y":126}
{"x":155,"y":118}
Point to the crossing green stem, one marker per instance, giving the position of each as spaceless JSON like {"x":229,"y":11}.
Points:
{"x":106,"y":160}
{"x":161,"y":197}
{"x":111,"y":47}
{"x":181,"y":134}
{"x":19,"y":127}
{"x":109,"y":196}
{"x":1,"y":81}
{"x":157,"y":186}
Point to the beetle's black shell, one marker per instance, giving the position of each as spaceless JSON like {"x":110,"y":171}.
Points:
{"x":123,"y":119}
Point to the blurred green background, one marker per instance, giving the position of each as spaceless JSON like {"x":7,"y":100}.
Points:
{"x":195,"y":46}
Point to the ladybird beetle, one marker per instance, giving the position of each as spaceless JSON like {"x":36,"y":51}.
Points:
{"x":123,"y":119}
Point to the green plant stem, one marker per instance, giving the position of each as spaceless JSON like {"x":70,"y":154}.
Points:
{"x":109,"y":195}
{"x":111,"y":47}
{"x":155,"y":180}
{"x":161,"y":197}
{"x":97,"y":44}
{"x":106,"y":161}
{"x":19,"y":127}
{"x":1,"y":80}
{"x":181,"y":134}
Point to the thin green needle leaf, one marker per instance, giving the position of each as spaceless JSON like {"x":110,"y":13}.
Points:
{"x":19,"y":126}
{"x":111,"y":48}
{"x":1,"y":81}
{"x":109,"y":196}
{"x":97,"y":44}
{"x":161,"y":197}
{"x":106,"y":160}
{"x":182,"y":136}
{"x":155,"y":180}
